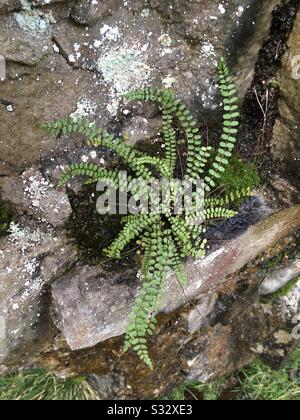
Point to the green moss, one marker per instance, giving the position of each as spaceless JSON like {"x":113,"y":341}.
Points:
{"x":281,"y":292}
{"x":240,"y":175}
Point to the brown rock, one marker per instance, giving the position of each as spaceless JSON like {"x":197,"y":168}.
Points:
{"x":76,"y":300}
{"x":56,"y":67}
{"x":33,"y":194}
{"x":30,"y":258}
{"x":285,"y":145}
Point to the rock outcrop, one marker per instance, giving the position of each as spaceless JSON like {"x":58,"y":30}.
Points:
{"x":76,"y":57}
{"x":286,"y":145}
{"x":66,"y":57}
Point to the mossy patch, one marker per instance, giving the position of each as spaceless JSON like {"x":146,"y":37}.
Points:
{"x":240,"y":175}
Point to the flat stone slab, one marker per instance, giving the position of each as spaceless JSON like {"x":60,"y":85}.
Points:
{"x":91,"y":306}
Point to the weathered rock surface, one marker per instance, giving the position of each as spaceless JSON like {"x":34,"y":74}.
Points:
{"x":279,"y":277}
{"x":77,"y":296}
{"x":32,"y":193}
{"x":286,"y":146}
{"x":89,"y":12}
{"x":30,"y":259}
{"x":56,"y":67}
{"x":8,"y":5}
{"x":76,"y":57}
{"x":219,"y":326}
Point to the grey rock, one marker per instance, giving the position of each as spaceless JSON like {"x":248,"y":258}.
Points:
{"x":33,"y":194}
{"x":31,"y":257}
{"x":67,"y":57}
{"x":39,"y":3}
{"x":92,"y":301}
{"x":269,"y":331}
{"x":88,"y":308}
{"x":88,"y":12}
{"x":278,"y":278}
{"x":127,"y":47}
{"x":21,"y":44}
{"x":199,"y":317}
{"x":220,"y":352}
{"x":7,"y":6}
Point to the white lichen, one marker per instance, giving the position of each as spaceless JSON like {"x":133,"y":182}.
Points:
{"x":208,"y":50}
{"x":145,"y":13}
{"x":24,"y":238}
{"x":85,"y":109}
{"x":165,"y":40}
{"x":240,"y":11}
{"x":124,"y":69}
{"x":110,"y":33}
{"x":32,"y":20}
{"x":222,"y":9}
{"x":168,"y":81}
{"x":36,"y":188}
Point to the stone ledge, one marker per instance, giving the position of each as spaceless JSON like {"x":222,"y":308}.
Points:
{"x":91,"y":306}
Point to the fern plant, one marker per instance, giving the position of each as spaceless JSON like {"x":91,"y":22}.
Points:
{"x":164,"y":238}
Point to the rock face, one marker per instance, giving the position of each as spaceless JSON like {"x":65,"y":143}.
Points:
{"x":216,"y":326}
{"x":34,"y":194}
{"x":82,"y":291}
{"x":77,"y":57}
{"x":31,"y":258}
{"x":278,"y":278}
{"x":9,"y":5}
{"x":286,"y":147}
{"x":57,"y":65}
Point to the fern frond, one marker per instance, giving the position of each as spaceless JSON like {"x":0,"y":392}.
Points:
{"x":170,"y":232}
{"x":160,"y":165}
{"x":92,"y":171}
{"x":171,"y":107}
{"x":168,"y":108}
{"x":165,"y":99}
{"x":133,"y":228}
{"x":228,"y":199}
{"x":219,"y":213}
{"x":100,"y":138}
{"x":181,"y":232}
{"x":175,"y":260}
{"x":230,"y":126}
{"x":154,"y":277}
{"x":145,"y":95}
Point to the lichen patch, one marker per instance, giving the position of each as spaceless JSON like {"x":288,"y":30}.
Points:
{"x":124,"y":69}
{"x":34,"y":21}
